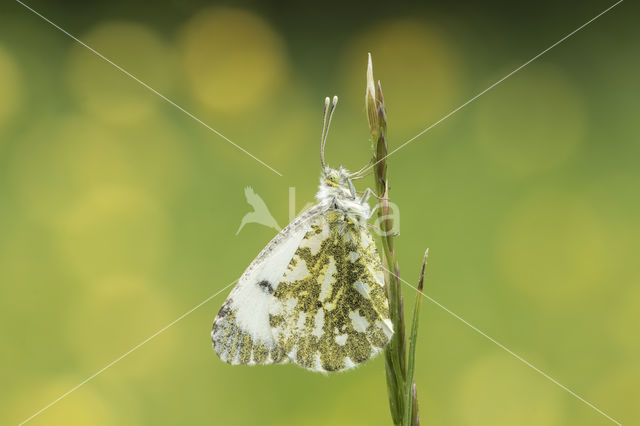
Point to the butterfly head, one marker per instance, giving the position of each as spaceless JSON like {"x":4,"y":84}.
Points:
{"x":336,"y":180}
{"x":332,"y":178}
{"x":337,"y":192}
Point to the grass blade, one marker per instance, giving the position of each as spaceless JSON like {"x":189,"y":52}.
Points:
{"x":411,"y":405}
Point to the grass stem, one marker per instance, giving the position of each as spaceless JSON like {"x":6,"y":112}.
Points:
{"x":399,"y":365}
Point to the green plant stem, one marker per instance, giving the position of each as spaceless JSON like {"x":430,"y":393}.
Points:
{"x":411,"y":410}
{"x":401,"y":389}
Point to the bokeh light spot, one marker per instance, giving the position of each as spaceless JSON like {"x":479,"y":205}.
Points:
{"x":499,"y":391}
{"x":117,"y":313}
{"x":85,"y":407}
{"x":533,"y":122}
{"x":233,"y":59}
{"x":57,"y":159}
{"x":616,"y":394}
{"x":625,"y":320}
{"x":417,"y":64}
{"x":107,"y":92}
{"x":62,"y":158}
{"x":113,"y":230}
{"x":553,"y":248}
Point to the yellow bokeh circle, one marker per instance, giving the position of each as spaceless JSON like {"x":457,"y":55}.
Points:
{"x":534,"y":121}
{"x":553,"y":248}
{"x":116,"y":313}
{"x":624,"y":323}
{"x":10,"y":86}
{"x":63,"y":157}
{"x":84,"y":407}
{"x":58,"y":158}
{"x":616,"y":393}
{"x":113,"y":230}
{"x":500,"y":391}
{"x":233,"y":59}
{"x":418,"y":68}
{"x":106,"y":91}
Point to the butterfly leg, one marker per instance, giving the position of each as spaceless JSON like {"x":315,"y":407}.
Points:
{"x":352,"y":189}
{"x":367,"y":192}
{"x":374,"y":227}
{"x":365,"y":195}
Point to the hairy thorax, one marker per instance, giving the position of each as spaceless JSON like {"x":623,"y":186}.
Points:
{"x":337,"y":192}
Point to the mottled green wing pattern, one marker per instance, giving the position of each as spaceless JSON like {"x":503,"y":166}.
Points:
{"x":330,"y":311}
{"x":241,"y":333}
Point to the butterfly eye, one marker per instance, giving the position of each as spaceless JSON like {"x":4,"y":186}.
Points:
{"x":332,"y":179}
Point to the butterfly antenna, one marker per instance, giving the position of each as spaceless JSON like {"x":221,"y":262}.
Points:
{"x":329,"y":108}
{"x":324,"y":126}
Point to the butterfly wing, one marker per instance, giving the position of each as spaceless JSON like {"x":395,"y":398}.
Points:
{"x":241,"y":332}
{"x":314,"y":296}
{"x":330,"y":311}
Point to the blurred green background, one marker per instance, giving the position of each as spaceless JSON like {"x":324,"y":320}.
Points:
{"x":118,"y":212}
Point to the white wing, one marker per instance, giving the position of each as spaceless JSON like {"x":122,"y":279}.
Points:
{"x":241,"y":332}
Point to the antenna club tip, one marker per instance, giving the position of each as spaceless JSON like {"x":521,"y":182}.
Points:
{"x":327,"y":101}
{"x":335,"y":100}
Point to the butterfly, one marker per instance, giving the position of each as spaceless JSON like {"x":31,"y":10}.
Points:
{"x":315,"y":295}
